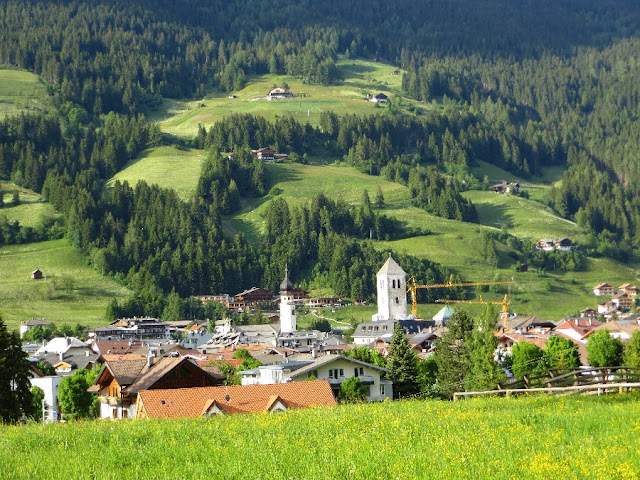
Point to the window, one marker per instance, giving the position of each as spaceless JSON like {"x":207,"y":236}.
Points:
{"x":341,"y":372}
{"x":397,"y":300}
{"x":114,"y":413}
{"x":382,"y":389}
{"x":355,"y":372}
{"x":393,"y":283}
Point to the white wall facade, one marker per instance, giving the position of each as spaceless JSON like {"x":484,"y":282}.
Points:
{"x":287,"y":314}
{"x":392,"y":297}
{"x":49,"y":385}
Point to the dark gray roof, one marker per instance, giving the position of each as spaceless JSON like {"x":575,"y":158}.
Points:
{"x":286,"y":284}
{"x":377,"y":329}
{"x":325,"y":359}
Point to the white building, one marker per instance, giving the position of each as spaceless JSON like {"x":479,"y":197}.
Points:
{"x":333,"y":368}
{"x":392,"y":292}
{"x":287,"y":306}
{"x":49,"y":385}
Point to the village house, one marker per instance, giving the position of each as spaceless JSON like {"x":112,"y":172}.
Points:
{"x":577,"y":328}
{"x":120,"y":381}
{"x":333,"y":368}
{"x":622,"y":301}
{"x":49,"y":385}
{"x":602,"y":289}
{"x":34,"y":322}
{"x":629,"y":289}
{"x":230,"y":400}
{"x":618,"y":329}
{"x":132,"y":329}
{"x":527,"y":324}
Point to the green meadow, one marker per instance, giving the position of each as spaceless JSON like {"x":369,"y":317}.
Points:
{"x":31,"y":211}
{"x":20,"y":91}
{"x":360,"y":77}
{"x":543,"y":437}
{"x":71,"y":293}
{"x":167,"y":167}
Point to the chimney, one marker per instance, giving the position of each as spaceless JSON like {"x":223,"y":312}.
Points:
{"x":61,"y":354}
{"x":314,"y":353}
{"x":150,"y":358}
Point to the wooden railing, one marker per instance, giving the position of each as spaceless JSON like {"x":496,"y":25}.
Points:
{"x":600,"y":379}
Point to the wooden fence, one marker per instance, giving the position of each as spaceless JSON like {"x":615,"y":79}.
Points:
{"x":598,"y":380}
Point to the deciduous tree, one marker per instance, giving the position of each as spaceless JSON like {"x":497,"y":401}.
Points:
{"x":603,"y":350}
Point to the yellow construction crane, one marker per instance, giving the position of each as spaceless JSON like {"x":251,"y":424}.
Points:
{"x":505,"y":306}
{"x":413,"y":288}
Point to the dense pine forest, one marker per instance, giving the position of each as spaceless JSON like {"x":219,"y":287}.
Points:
{"x":527,"y":85}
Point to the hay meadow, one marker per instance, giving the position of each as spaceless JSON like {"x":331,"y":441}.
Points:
{"x":544,"y":437}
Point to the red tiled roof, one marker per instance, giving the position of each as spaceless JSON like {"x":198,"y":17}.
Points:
{"x":193,"y":402}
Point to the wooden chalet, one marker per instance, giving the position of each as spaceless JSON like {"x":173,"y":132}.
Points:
{"x":36,"y":275}
{"x":264,"y":153}
{"x":602,"y":289}
{"x":253,"y":295}
{"x":120,"y":381}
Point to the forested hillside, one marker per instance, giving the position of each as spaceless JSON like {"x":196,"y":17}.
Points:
{"x":519,"y":85}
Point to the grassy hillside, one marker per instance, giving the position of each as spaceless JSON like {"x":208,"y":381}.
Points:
{"x":167,"y":167}
{"x":20,"y":90}
{"x":451,"y":243}
{"x":528,"y":438}
{"x":522,"y":217}
{"x":360,"y":77}
{"x":31,"y":210}
{"x":72,"y":292}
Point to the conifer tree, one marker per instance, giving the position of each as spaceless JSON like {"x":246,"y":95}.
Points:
{"x":452,"y":355}
{"x":484,"y":372}
{"x":403,"y":363}
{"x":15,"y":392}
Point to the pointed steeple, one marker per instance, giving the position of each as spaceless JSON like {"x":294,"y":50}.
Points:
{"x":286,"y":285}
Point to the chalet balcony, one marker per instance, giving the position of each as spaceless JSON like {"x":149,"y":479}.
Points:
{"x":112,"y":401}
{"x":364,"y":379}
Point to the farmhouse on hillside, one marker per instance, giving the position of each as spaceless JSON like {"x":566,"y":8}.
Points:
{"x":379,"y":98}
{"x":279,"y":93}
{"x":504,"y":187}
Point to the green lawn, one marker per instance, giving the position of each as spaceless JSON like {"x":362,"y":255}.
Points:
{"x":543,"y":437}
{"x":360,"y":77}
{"x":21,"y":91}
{"x":167,"y":167}
{"x":71,"y":293}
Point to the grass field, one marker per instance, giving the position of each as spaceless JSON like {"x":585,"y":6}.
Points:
{"x":20,"y":91}
{"x":544,"y":437}
{"x":522,"y":217}
{"x":31,"y":210}
{"x":360,"y":77}
{"x":71,"y":293}
{"x":167,"y":167}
